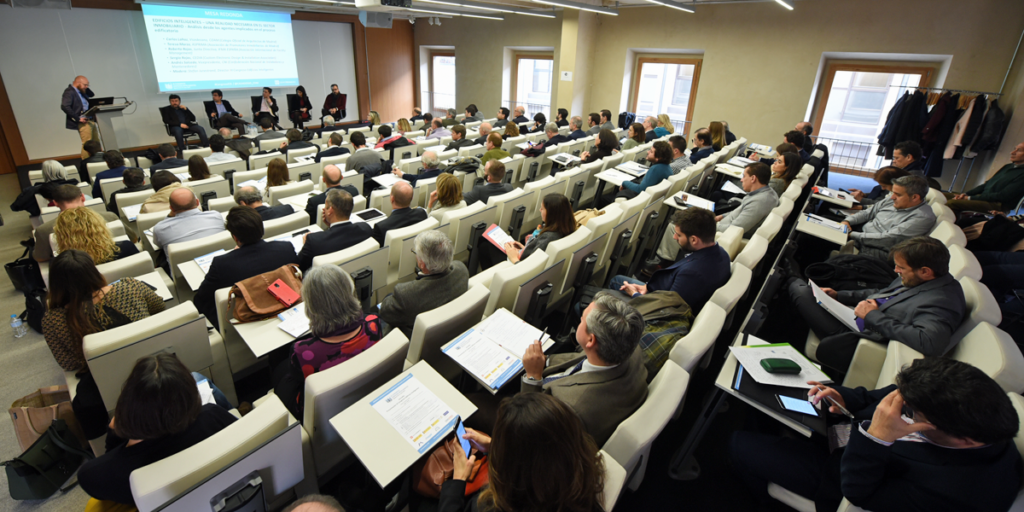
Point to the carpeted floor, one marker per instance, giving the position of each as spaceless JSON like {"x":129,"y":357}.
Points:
{"x":26,"y":363}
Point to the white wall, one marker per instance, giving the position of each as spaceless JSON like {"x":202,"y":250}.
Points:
{"x":45,"y":49}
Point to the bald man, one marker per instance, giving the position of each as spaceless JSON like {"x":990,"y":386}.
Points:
{"x":315,"y":502}
{"x":485,"y":130}
{"x":74,"y":103}
{"x":401,"y":215}
{"x":241,"y":145}
{"x":332,"y":179}
{"x":186,"y":221}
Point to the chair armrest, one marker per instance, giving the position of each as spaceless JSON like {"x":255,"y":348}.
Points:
{"x":897,"y":355}
{"x":866,"y":365}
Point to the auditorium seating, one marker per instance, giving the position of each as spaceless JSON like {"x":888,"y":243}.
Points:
{"x":437,"y":327}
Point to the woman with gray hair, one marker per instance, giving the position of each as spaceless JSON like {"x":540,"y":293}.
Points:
{"x":54,"y":175}
{"x":338,"y":332}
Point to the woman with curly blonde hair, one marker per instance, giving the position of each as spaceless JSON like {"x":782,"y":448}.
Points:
{"x":85,"y":230}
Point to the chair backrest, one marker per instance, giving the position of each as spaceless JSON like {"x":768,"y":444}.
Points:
{"x":612,"y":161}
{"x":254,"y":438}
{"x":510,"y":144}
{"x":459,"y":233}
{"x":981,"y":307}
{"x":216,"y":184}
{"x":443,"y":324}
{"x":393,"y":239}
{"x":949,"y":234}
{"x":255,"y":174}
{"x":298,"y":169}
{"x":189,"y":153}
{"x":630,"y":444}
{"x":268,"y":144}
{"x":146,"y":221}
{"x":261,"y":161}
{"x":331,"y":391}
{"x":338,"y":257}
{"x":96,"y":205}
{"x":688,"y":351}
{"x":603,"y":225}
{"x":769,"y":227}
{"x":728,"y":295}
{"x":935,"y":197}
{"x":793,"y":191}
{"x":221,"y":168}
{"x":942,"y":213}
{"x":131,"y":266}
{"x":295,"y":188}
{"x":994,"y":352}
{"x":658,"y":191}
{"x":963,"y":263}
{"x":752,"y":253}
{"x":296,"y":153}
{"x":632,"y":206}
{"x":109,"y":185}
{"x":95,"y":168}
{"x":217,"y":204}
{"x":784,"y":208}
{"x":563,"y":248}
{"x":181,"y":252}
{"x":282,"y":225}
{"x":730,"y":240}
{"x":505,"y":285}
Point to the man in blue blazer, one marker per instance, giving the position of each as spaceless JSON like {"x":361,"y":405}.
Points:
{"x":401,"y":214}
{"x":701,"y":145}
{"x":253,"y":256}
{"x":74,"y":102}
{"x":341,"y":234}
{"x":695,"y":277}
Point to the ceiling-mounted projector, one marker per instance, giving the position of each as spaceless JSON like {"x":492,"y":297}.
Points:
{"x":383,"y":5}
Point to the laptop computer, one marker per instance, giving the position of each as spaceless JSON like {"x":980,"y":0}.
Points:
{"x":106,"y":100}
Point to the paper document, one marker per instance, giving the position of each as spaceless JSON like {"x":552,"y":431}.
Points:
{"x":511,"y":332}
{"x":564,"y":158}
{"x":132,"y":212}
{"x":740,"y":161}
{"x":497,"y":236}
{"x":206,"y":260}
{"x":183,"y":176}
{"x":387,"y":180}
{"x":505,"y":160}
{"x":615,"y":176}
{"x":732,"y":188}
{"x":697,"y":201}
{"x":294,"y":321}
{"x":633,"y":168}
{"x":260,"y":184}
{"x":205,"y":393}
{"x":831,"y":224}
{"x":297,"y":239}
{"x":841,"y":311}
{"x":523,"y":145}
{"x":416,"y":413}
{"x":750,"y":357}
{"x":480,"y":356}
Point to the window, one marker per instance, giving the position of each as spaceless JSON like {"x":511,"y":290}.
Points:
{"x":442,"y":82}
{"x":853,"y":109}
{"x":533,"y":84}
{"x":666,"y":86}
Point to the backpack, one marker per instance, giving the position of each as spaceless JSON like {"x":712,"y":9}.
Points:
{"x":851,"y":272}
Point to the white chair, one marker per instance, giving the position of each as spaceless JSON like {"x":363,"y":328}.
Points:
{"x":295,"y":188}
{"x":438,"y":326}
{"x":338,"y":257}
{"x":690,"y":349}
{"x":603,"y":225}
{"x":267,"y":144}
{"x":981,"y":307}
{"x":949,"y":234}
{"x":282,"y":225}
{"x":131,"y":266}
{"x":189,"y":153}
{"x":730,"y":240}
{"x":393,"y":239}
{"x":505,"y":285}
{"x":563,"y":249}
{"x":752,"y":252}
{"x":178,"y":253}
{"x":262,"y":161}
{"x":630,"y":444}
{"x":296,"y":153}
{"x":728,"y":295}
{"x":793,"y":191}
{"x":963,"y":263}
{"x":943,"y":213}
{"x":935,"y":197}
{"x":329,"y":392}
{"x":215,"y":184}
{"x":217,"y":204}
{"x":994,"y":352}
{"x":784,"y":208}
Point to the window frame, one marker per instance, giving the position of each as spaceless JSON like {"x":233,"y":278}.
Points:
{"x":430,"y":72}
{"x":696,"y":62}
{"x":517,"y":58}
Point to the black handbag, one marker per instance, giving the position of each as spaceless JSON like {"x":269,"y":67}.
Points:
{"x":50,"y":462}
{"x":24,"y":271}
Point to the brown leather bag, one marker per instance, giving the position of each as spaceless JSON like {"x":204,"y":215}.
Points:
{"x":437,"y":468}
{"x":256,"y":302}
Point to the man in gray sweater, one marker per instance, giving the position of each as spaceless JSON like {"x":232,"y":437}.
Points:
{"x":898,"y":217}
{"x":363,"y":156}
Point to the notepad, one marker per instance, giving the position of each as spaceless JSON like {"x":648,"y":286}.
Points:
{"x":132,"y":212}
{"x":842,"y":312}
{"x":616,"y":176}
{"x":497,"y":236}
{"x":831,"y":224}
{"x":732,"y":188}
{"x":492,"y":351}
{"x":756,"y":349}
{"x":633,"y":168}
{"x":740,"y":161}
{"x":387,"y":180}
{"x":294,"y":321}
{"x":206,"y":260}
{"x":416,"y":413}
{"x":564,"y":158}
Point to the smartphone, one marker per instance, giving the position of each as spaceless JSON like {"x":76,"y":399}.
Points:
{"x":283,"y":293}
{"x":300,"y":233}
{"x":460,"y":431}
{"x":796,"y":405}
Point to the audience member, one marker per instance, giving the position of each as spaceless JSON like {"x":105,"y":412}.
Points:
{"x":164,"y":182}
{"x":659,"y":156}
{"x":329,"y":126}
{"x":704,"y":269}
{"x":66,"y":198}
{"x":363,"y":156}
{"x":664,"y":126}
{"x":784,"y":171}
{"x":494,"y":150}
{"x":293,"y":140}
{"x":883,"y":177}
{"x":277,"y":176}
{"x":557,"y":222}
{"x":634,"y":136}
{"x":941,"y":438}
{"x":437,"y":130}
{"x":94,"y":150}
{"x":388,"y":140}
{"x":679,"y":159}
{"x":197,"y":169}
{"x":729,"y":136}
{"x":252,"y":256}
{"x":808,"y":130}
{"x":334,"y":148}
{"x":562,"y":118}
{"x":54,"y":175}
{"x":447,"y":196}
{"x":649,"y":124}
{"x":331,"y":177}
{"x":449,"y":118}
{"x":401,"y":214}
{"x":717,"y":131}
{"x":338,"y":331}
{"x":494,"y":184}
{"x":403,"y":126}
{"x":80,"y":302}
{"x":251,"y":197}
{"x":267,"y":125}
{"x":520,"y":113}
{"x":217,"y":154}
{"x":796,"y":138}
{"x":701,"y":145}
{"x":511,"y":130}
{"x":439,"y":280}
{"x":606,"y":120}
{"x":502,"y":116}
{"x":554,"y":139}
{"x":182,"y":122}
{"x":87,"y":231}
{"x":1001,"y":193}
{"x":473,"y":114}
{"x":483,"y":130}
{"x":431,"y":168}
{"x":539,"y":122}
{"x":902,"y":215}
{"x":417,"y":114}
{"x":605,"y":146}
{"x":594,"y":121}
{"x":907,"y":156}
{"x":607,"y":381}
{"x":756,"y":204}
{"x":168,"y":159}
{"x":920,"y":309}
{"x":115,"y":169}
{"x":315,"y":503}
{"x":341,"y":233}
{"x":186,"y":221}
{"x":222,"y":114}
{"x":158,"y":414}
{"x":134,"y":181}
{"x":546,"y":461}
{"x":459,"y":139}
{"x":241,"y":145}
{"x":575,"y":131}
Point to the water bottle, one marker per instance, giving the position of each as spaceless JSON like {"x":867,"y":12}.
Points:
{"x":19,"y":327}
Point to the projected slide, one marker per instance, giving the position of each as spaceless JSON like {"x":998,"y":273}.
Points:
{"x":197,"y":48}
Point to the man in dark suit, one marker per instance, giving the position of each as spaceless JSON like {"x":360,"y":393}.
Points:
{"x":241,"y":145}
{"x":341,"y":233}
{"x":253,"y":256}
{"x":332,"y":180}
{"x":796,"y":138}
{"x":701,"y":145}
{"x":417,"y":114}
{"x":650,"y":123}
{"x":181,"y":120}
{"x":459,"y":139}
{"x":168,"y":159}
{"x":333,"y":148}
{"x":575,"y":131}
{"x":485,"y":130}
{"x":439,"y":280}
{"x":294,"y":141}
{"x":804,"y":127}
{"x":554,"y":138}
{"x":430,"y":169}
{"x":223,"y":114}
{"x":520,"y":116}
{"x":74,"y":102}
{"x":95,"y":152}
{"x":606,"y":381}
{"x":134,"y":181}
{"x":252,"y":198}
{"x":115,"y":169}
{"x":502,"y":118}
{"x":334,"y":104}
{"x":920,"y":309}
{"x":939,"y":439}
{"x":264,"y":107}
{"x":267,"y":125}
{"x":401,"y":214}
{"x":494,"y":174}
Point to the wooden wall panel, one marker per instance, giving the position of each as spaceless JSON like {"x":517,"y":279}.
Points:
{"x":12,"y":147}
{"x":392,"y":70}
